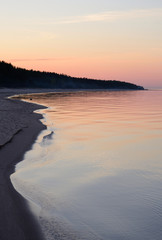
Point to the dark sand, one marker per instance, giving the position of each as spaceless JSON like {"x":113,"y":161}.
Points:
{"x":19,"y":127}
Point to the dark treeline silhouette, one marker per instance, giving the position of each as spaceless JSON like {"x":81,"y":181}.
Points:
{"x":14,"y":77}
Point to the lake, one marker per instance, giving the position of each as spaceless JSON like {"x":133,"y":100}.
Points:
{"x":96,"y":172}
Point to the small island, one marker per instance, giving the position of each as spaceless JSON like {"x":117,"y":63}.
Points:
{"x":15,"y":77}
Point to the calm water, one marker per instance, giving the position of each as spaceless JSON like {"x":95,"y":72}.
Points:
{"x":99,"y":176}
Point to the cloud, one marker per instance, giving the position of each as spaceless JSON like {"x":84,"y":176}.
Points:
{"x":109,"y":16}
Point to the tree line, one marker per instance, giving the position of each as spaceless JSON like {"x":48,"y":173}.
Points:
{"x":15,"y":77}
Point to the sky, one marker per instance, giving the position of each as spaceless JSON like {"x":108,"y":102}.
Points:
{"x":101,"y":39}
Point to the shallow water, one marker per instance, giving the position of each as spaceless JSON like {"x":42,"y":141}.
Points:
{"x":99,"y":176}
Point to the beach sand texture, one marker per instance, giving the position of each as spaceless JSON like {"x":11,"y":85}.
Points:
{"x":16,"y":221}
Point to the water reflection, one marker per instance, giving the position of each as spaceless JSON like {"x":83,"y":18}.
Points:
{"x":101,"y":169}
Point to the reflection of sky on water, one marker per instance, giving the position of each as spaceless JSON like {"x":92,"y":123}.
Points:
{"x":103,"y":164}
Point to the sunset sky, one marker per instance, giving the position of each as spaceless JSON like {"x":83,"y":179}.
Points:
{"x":102,"y":39}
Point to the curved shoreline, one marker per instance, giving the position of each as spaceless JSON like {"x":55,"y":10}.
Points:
{"x":16,"y":220}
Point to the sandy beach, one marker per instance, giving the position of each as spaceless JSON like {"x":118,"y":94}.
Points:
{"x":19,"y":127}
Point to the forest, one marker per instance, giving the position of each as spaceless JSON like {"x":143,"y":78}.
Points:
{"x":15,"y":77}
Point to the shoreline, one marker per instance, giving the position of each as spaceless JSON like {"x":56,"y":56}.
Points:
{"x":16,"y":220}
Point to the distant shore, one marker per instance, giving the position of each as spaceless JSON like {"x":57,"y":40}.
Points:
{"x":19,"y":127}
{"x":12,"y":77}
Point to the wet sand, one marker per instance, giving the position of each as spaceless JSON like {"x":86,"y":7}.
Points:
{"x":19,"y":127}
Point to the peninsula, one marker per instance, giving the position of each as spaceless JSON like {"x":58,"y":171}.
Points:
{"x":15,"y":77}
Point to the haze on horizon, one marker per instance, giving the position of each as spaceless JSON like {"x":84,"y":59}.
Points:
{"x":120,"y":40}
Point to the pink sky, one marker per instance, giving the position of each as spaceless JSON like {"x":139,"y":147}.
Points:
{"x":145,"y":72}
{"x":109,"y":43}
